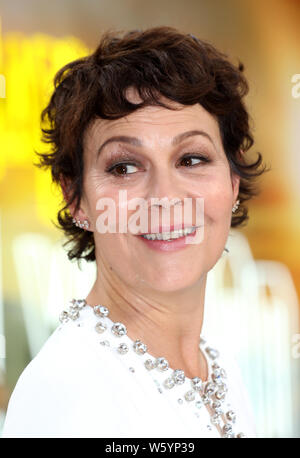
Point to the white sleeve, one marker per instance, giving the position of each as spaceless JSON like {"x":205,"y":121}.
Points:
{"x":59,"y":393}
{"x":42,"y":403}
{"x":33,"y":405}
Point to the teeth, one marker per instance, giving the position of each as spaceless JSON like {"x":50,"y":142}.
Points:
{"x":169,"y":235}
{"x":151,"y":237}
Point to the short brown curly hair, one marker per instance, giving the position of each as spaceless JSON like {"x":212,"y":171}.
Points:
{"x":156,"y":61}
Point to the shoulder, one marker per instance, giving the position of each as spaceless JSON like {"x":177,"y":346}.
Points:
{"x":59,"y":356}
{"x":48,"y":396}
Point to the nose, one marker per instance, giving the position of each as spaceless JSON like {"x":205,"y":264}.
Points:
{"x":164,"y":191}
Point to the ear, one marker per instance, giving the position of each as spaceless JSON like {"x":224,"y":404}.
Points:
{"x":66,"y":186}
{"x":235,"y":180}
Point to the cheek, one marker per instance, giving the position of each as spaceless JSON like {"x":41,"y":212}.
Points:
{"x":217,"y":222}
{"x":115,"y":252}
{"x":218,"y":201}
{"x":118,"y":198}
{"x":97,"y":189}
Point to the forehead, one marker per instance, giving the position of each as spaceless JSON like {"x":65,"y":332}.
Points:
{"x":155,"y":122}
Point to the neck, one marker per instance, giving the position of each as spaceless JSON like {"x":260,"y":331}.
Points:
{"x":169,"y":323}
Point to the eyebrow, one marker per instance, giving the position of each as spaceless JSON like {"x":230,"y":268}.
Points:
{"x":137,"y":142}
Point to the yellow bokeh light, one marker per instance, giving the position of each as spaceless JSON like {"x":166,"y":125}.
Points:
{"x":29,"y":65}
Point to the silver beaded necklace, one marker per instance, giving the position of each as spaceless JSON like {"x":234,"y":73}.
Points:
{"x":211,"y":393}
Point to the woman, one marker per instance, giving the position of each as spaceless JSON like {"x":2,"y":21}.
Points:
{"x":157,"y":116}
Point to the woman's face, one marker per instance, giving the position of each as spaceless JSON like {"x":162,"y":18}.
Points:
{"x":154,"y":165}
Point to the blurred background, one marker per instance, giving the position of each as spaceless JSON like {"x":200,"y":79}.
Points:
{"x":253,"y":291}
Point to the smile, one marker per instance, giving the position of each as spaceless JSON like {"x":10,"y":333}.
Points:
{"x":169,"y":236}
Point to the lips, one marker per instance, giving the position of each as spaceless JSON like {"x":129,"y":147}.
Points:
{"x":168,"y":246}
{"x":168,"y":236}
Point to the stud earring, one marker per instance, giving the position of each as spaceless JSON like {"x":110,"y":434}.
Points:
{"x":83,"y":225}
{"x":236,"y":206}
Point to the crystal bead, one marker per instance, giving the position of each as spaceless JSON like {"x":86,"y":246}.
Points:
{"x":205,"y":399}
{"x":180,"y":401}
{"x":149,"y":364}
{"x":197,"y":383}
{"x":139,"y":347}
{"x":178,"y":376}
{"x":216,"y":376}
{"x":215,"y":419}
{"x":223,"y":373}
{"x":212,"y":353}
{"x":190,"y":395}
{"x":162,"y":364}
{"x":231,"y":416}
{"x":223,"y":387}
{"x":215,"y":365}
{"x":240,"y":435}
{"x":100,"y":327}
{"x":73,"y":314}
{"x":169,"y":383}
{"x":73,"y":305}
{"x":64,"y":316}
{"x":119,"y":329}
{"x":217,"y":406}
{"x":78,"y":304}
{"x":132,"y":369}
{"x":227,"y":429}
{"x":105,"y":343}
{"x":209,"y":388}
{"x":220,"y":395}
{"x":100,"y":310}
{"x":198,"y":404}
{"x":123,"y":348}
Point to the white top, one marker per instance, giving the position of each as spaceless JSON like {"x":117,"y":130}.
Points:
{"x":78,"y":387}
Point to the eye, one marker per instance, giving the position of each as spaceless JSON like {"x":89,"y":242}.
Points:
{"x":189,"y":158}
{"x":122,"y":169}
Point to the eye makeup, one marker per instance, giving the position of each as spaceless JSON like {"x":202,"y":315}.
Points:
{"x":115,"y":158}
